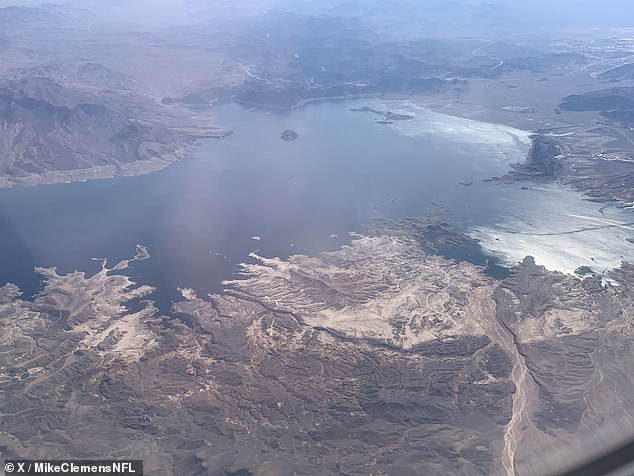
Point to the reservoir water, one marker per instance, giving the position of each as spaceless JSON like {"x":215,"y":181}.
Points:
{"x":253,"y":191}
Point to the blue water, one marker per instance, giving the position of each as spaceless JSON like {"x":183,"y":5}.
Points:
{"x":198,"y":216}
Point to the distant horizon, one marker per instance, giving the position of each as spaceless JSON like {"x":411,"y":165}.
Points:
{"x":501,"y":13}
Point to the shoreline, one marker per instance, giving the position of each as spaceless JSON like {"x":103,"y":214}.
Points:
{"x":139,"y":167}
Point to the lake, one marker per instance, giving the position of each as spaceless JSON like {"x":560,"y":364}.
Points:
{"x":253,"y":191}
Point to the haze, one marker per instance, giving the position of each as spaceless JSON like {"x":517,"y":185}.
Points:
{"x":473,"y":13}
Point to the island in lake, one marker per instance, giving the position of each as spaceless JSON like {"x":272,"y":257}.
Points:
{"x":289,"y":135}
